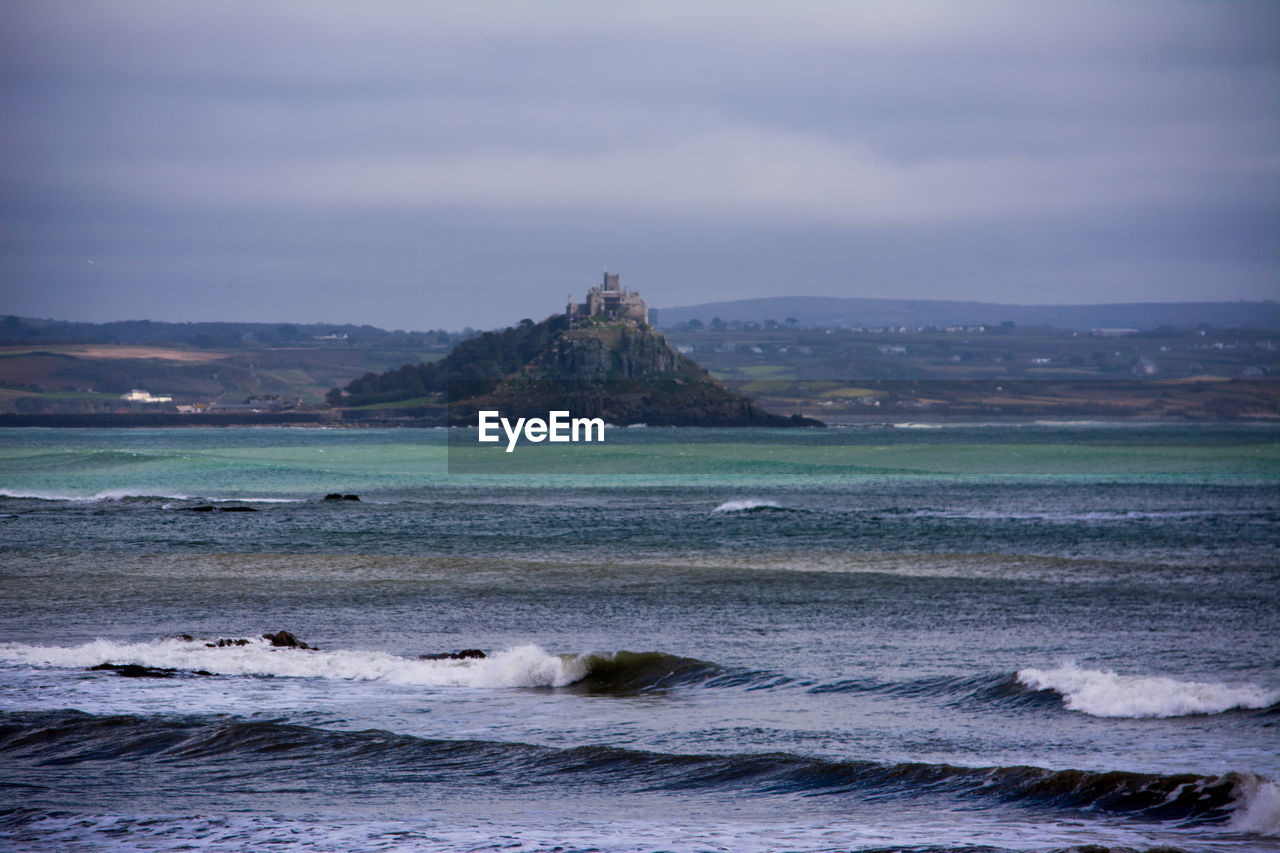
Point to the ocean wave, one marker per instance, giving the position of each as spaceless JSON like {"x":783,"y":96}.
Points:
{"x":549,"y":832}
{"x":1001,"y":689}
{"x":137,"y":494}
{"x":523,"y":666}
{"x":1103,"y":693}
{"x":634,"y":672}
{"x":124,"y":494}
{"x":1094,"y":692}
{"x":748,"y":505}
{"x":1243,"y":801}
{"x":1257,"y":807}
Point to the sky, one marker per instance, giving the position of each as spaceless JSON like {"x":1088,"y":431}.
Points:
{"x":421,"y":165}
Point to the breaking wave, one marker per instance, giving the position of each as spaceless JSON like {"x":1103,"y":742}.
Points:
{"x":136,"y":494}
{"x":1257,"y":807}
{"x":1001,"y":690}
{"x":1095,"y":692}
{"x":634,"y":672}
{"x":108,"y":495}
{"x":1102,"y":693}
{"x":748,"y":505}
{"x":522,"y":666}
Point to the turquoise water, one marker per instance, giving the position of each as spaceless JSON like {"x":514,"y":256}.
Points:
{"x":299,"y":463}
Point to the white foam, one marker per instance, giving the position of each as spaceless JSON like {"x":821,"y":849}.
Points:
{"x":746,"y":504}
{"x":1258,"y":808}
{"x":523,"y":666}
{"x":1102,"y":693}
{"x":109,"y":495}
{"x":137,"y":494}
{"x":259,"y":500}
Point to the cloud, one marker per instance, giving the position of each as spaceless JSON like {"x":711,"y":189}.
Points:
{"x":1122,"y":125}
{"x":729,"y":173}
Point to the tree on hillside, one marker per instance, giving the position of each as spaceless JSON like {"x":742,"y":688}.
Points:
{"x":486,"y":357}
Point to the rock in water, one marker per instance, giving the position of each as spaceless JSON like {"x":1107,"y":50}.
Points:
{"x":224,"y":643}
{"x":465,"y":654}
{"x":285,"y":640}
{"x":134,"y":670}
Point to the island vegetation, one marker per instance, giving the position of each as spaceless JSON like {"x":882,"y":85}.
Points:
{"x":617,"y":369}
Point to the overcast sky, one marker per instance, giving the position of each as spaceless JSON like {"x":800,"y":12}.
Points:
{"x":422,"y":165}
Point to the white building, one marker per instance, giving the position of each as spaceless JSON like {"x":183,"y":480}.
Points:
{"x":137,"y":395}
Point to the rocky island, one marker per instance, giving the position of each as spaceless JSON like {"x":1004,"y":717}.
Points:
{"x":600,"y":358}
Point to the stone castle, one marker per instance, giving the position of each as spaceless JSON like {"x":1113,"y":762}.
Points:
{"x":610,"y":300}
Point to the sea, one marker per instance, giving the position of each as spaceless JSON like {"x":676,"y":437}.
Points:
{"x":1038,"y":636}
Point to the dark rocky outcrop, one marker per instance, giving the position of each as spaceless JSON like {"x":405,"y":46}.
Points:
{"x":338,"y":496}
{"x":280,"y":639}
{"x":625,"y":351}
{"x":465,"y":654}
{"x":134,"y":670}
{"x":285,"y":640}
{"x":224,"y":643}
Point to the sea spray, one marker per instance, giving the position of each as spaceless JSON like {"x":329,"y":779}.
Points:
{"x":1257,"y":809}
{"x":1103,"y":693}
{"x":521,"y":666}
{"x":746,"y":505}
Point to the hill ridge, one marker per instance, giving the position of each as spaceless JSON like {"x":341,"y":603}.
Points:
{"x":837,"y":311}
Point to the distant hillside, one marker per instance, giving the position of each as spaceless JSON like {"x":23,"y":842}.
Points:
{"x":61,"y":367}
{"x":30,"y":331}
{"x":825,"y":311}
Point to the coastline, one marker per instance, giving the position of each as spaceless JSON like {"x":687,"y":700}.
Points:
{"x":336,"y":420}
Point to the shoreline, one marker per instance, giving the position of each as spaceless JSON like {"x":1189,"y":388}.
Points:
{"x":324,"y":420}
{"x":329,"y":421}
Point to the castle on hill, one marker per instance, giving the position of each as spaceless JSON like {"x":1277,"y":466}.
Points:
{"x":610,"y":300}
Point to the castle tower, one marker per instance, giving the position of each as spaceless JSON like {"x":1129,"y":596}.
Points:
{"x":611,"y":300}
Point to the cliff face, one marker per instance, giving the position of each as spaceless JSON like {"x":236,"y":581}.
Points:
{"x":623,"y":351}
